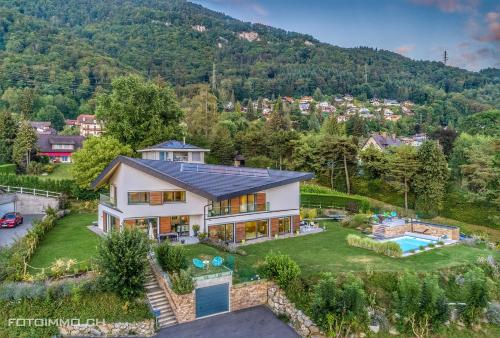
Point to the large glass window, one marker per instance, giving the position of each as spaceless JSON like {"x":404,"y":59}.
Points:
{"x":256,"y":229}
{"x":223,"y":232}
{"x":181,"y":225}
{"x":180,"y":156}
{"x":174,"y":196}
{"x":247,"y":203}
{"x":196,"y":156}
{"x":284,"y":225}
{"x":138,"y":197}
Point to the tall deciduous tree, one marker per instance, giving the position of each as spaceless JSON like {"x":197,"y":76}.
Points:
{"x":94,"y":156}
{"x":222,"y":146}
{"x":431,"y":177}
{"x":401,"y":168}
{"x":338,"y":152}
{"x":51,"y":114}
{"x":139,"y":113}
{"x":24,"y":145}
{"x":8,"y":130}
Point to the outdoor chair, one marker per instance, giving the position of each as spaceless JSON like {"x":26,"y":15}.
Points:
{"x":198,"y":263}
{"x":217,"y":261}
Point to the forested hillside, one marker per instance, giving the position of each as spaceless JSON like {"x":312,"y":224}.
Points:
{"x":72,"y":48}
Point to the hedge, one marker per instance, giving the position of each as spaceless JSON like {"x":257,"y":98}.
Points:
{"x":333,"y":200}
{"x":388,"y":248}
{"x":7,"y":169}
{"x":66,"y":186}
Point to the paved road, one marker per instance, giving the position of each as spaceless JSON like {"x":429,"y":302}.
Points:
{"x":9,"y":235}
{"x":248,"y":323}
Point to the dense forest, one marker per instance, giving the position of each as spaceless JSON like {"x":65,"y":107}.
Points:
{"x":74,"y":48}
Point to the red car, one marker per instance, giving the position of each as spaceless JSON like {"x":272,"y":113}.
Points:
{"x":11,"y":219}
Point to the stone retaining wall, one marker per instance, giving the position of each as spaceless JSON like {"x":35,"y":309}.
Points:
{"x":432,"y":230}
{"x":249,"y":294}
{"x":280,"y":304}
{"x":145,"y":328}
{"x":184,"y":306}
{"x":30,"y":204}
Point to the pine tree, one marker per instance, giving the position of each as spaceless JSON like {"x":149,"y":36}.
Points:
{"x":7,"y":136}
{"x":222,"y":146}
{"x":430,"y":179}
{"x":24,"y":145}
{"x":251,"y":114}
{"x":279,"y":120}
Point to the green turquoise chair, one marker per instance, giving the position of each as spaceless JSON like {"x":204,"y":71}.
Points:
{"x":217,"y":261}
{"x":198,"y":263}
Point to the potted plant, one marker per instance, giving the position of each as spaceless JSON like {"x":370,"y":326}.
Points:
{"x":196,"y":228}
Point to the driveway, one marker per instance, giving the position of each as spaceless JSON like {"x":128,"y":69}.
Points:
{"x":248,"y":323}
{"x":9,"y":235}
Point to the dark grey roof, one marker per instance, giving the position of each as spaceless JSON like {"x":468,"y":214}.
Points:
{"x":215,"y":182}
{"x":173,"y":144}
{"x":386,"y":141}
{"x":46,"y":141}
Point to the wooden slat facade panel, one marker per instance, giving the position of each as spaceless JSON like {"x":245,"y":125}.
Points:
{"x":235,"y":205}
{"x":274,"y":226}
{"x":105,"y":222}
{"x":240,"y":232}
{"x":129,"y":224}
{"x":260,"y":200}
{"x":155,"y":198}
{"x":117,"y":224}
{"x":295,"y":223}
{"x":165,"y":225}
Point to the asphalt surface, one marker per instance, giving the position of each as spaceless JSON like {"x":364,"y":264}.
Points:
{"x":9,"y":235}
{"x":248,"y":323}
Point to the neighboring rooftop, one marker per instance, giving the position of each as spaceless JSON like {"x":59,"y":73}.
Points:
{"x":45,"y":142}
{"x":385,"y":141}
{"x":173,"y":145}
{"x":214,"y":182}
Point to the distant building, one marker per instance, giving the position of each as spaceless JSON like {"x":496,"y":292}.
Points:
{"x":89,"y":126}
{"x":58,"y":148}
{"x":249,"y":36}
{"x":326,"y":107}
{"x":382,"y":141}
{"x":42,"y":128}
{"x":287,"y":99}
{"x":71,"y":123}
{"x":177,"y":151}
{"x":388,"y":102}
{"x":199,"y":28}
{"x":392,"y":118}
{"x":415,"y":140}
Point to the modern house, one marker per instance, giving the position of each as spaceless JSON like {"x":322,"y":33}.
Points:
{"x":89,"y":125}
{"x":57,"y":147}
{"x":176,"y":151}
{"x":167,"y":198}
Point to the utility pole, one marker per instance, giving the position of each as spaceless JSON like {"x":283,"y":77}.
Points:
{"x":366,"y":72}
{"x":214,"y":80}
{"x":445,"y":57}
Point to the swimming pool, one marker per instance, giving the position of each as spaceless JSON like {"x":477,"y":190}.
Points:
{"x":408,"y":243}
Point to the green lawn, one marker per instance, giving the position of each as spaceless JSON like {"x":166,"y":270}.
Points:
{"x":328,"y":252}
{"x":70,"y":238}
{"x":61,"y":172}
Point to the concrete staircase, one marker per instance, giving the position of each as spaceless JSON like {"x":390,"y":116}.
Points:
{"x":159,"y":301}
{"x":379,"y":232}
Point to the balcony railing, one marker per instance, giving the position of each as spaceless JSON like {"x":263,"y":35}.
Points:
{"x":214,"y":211}
{"x":106,"y":200}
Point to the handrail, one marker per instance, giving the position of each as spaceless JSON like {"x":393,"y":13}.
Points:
{"x":30,"y":191}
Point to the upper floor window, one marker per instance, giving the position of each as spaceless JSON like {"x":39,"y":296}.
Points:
{"x":180,"y":156}
{"x":62,"y":146}
{"x":174,"y":196}
{"x":138,"y":197}
{"x":247,"y":203}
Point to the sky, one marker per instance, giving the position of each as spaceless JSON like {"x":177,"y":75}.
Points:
{"x":469,"y":30}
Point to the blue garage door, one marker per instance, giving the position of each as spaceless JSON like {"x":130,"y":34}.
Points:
{"x":212,"y":300}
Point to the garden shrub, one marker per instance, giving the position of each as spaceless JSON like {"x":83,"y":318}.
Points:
{"x":339,"y":306}
{"x":422,"y":307}
{"x":476,"y":295}
{"x":182,"y":282}
{"x":171,"y":258}
{"x":336,"y":200}
{"x":356,"y":221}
{"x":122,"y":260}
{"x":281,"y":268}
{"x":387,"y":248}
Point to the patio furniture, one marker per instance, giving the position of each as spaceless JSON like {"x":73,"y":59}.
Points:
{"x":217,"y":261}
{"x":206,"y":263}
{"x":198,"y":263}
{"x":394,"y":214}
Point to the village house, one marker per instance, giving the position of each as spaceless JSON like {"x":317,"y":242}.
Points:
{"x":58,"y":148}
{"x":89,"y":126}
{"x":382,"y":141}
{"x":43,"y":128}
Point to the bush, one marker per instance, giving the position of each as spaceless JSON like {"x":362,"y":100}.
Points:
{"x":334,"y":200}
{"x":171,"y":258}
{"x":122,"y":260}
{"x":34,"y":168}
{"x":387,"y":248}
{"x":182,"y":283}
{"x":281,"y":268}
{"x":422,"y":307}
{"x":7,"y":169}
{"x":339,"y":306}
{"x":476,"y":295}
{"x":356,"y":221}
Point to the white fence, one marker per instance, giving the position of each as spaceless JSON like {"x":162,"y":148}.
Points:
{"x":30,"y":191}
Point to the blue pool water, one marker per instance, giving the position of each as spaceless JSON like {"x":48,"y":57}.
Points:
{"x":408,"y":243}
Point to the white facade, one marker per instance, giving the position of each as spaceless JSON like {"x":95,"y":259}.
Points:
{"x":188,"y":155}
{"x":280,"y":201}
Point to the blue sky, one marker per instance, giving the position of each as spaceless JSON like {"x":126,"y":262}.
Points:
{"x":420,"y":29}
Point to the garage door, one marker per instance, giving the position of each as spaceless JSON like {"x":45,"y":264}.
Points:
{"x":6,"y":207}
{"x":212,"y":299}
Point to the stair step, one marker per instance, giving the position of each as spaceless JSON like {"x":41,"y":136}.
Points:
{"x":159,"y":303}
{"x":155,"y":295}
{"x":171,"y":321}
{"x":163,"y":308}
